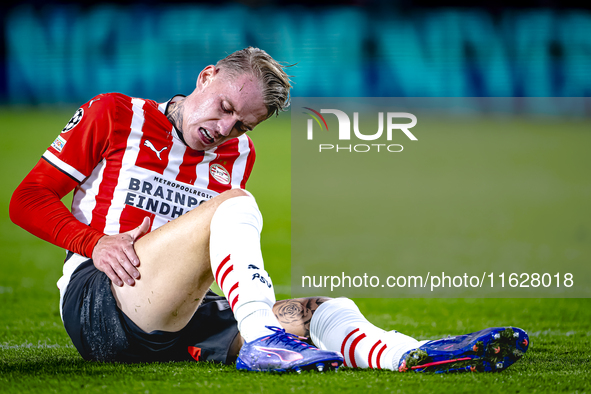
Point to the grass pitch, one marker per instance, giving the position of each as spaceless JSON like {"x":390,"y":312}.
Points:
{"x":36,"y":354}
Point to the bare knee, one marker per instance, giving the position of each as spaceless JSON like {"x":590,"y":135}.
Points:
{"x":220,"y":199}
{"x":211,"y":206}
{"x":231,"y":194}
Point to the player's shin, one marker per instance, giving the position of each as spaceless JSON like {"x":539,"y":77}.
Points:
{"x":238,"y":268}
{"x":338,"y":325}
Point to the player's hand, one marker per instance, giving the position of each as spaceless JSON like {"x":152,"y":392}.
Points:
{"x":115,"y":256}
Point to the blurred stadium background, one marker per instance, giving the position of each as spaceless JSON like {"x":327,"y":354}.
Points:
{"x":67,"y":51}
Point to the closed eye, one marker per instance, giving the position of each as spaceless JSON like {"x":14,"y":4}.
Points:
{"x":226,"y":109}
{"x":239,"y":125}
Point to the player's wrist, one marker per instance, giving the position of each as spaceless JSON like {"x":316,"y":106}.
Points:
{"x":92,"y":244}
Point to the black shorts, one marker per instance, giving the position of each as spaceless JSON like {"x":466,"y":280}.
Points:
{"x":102,"y":332}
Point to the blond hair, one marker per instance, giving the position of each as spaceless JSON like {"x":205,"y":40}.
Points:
{"x":275,"y":83}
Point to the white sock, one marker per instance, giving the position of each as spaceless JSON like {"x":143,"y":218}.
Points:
{"x":338,"y":325}
{"x":238,"y":268}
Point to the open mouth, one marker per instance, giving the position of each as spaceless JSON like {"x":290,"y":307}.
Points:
{"x":207,"y":137}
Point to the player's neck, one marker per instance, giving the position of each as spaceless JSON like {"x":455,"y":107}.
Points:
{"x":174,"y":113}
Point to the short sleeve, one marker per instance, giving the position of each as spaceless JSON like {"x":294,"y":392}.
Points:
{"x":80,"y":146}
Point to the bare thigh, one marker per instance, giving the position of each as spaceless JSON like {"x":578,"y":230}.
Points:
{"x":175,"y":270}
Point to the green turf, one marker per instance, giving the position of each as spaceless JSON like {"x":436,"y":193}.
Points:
{"x":36,"y":354}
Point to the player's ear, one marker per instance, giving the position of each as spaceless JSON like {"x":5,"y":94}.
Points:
{"x":206,"y":76}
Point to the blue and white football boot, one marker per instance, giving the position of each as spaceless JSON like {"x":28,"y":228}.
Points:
{"x":281,"y":352}
{"x":489,"y":350}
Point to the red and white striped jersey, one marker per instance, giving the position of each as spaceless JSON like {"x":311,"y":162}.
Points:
{"x":130,"y":163}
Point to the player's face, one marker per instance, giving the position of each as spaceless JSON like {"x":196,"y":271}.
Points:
{"x":221,"y":108}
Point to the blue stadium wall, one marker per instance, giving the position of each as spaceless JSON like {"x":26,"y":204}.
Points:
{"x":69,"y":53}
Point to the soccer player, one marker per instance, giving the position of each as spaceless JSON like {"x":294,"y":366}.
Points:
{"x":159,"y":212}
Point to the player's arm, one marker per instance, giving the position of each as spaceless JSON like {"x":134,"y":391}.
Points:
{"x":36,"y":204}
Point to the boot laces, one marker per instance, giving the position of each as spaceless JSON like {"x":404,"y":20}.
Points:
{"x":291,"y":340}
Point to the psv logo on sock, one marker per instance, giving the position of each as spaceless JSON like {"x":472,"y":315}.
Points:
{"x":262,"y":279}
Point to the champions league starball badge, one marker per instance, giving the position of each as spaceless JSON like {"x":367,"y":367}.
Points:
{"x":74,"y":121}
